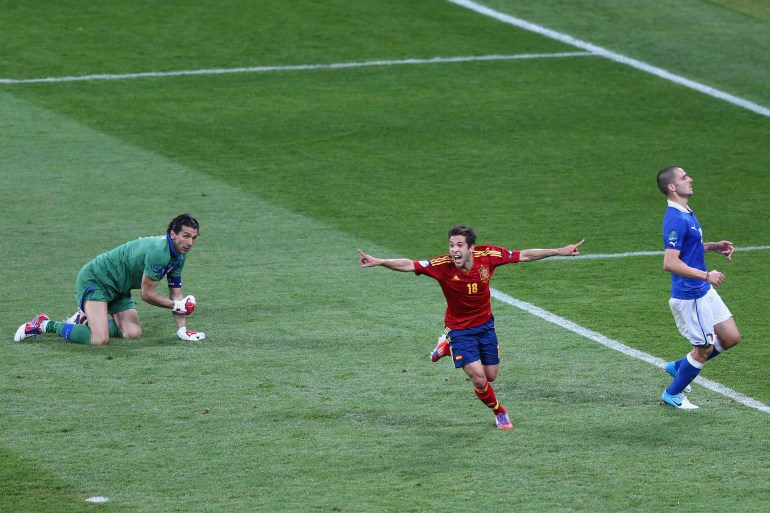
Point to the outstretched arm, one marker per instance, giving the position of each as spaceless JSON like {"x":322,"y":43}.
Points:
{"x":528,"y":255}
{"x":397,"y":264}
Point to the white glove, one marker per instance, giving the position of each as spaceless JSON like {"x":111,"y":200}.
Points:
{"x":184,"y":306}
{"x":186,"y":334}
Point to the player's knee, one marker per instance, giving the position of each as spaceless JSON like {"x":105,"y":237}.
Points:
{"x":132,"y":333}
{"x":99,"y":341}
{"x":479,"y":382}
{"x":732,"y":340}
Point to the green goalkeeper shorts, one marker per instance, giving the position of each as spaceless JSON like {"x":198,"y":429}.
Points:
{"x":88,"y":288}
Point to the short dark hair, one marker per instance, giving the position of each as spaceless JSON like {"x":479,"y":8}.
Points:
{"x":182,"y":220}
{"x":469,"y":233}
{"x":666,"y":177}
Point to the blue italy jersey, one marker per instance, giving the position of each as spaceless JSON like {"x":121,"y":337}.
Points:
{"x":682,"y":231}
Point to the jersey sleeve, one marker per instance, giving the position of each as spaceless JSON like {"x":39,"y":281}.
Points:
{"x":431,"y":267}
{"x":674,"y":230}
{"x":502,"y":256}
{"x":159,"y":264}
{"x":155,"y":265}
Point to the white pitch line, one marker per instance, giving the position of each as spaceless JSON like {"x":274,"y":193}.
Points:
{"x":299,"y":67}
{"x":622,"y":59}
{"x":98,"y":500}
{"x":622,"y":348}
{"x":640,"y":254}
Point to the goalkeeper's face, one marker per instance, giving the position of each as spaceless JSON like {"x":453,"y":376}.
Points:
{"x":461,"y":252}
{"x":184,"y":240}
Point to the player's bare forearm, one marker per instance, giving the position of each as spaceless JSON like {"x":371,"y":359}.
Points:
{"x":151,"y":296}
{"x":723,"y":247}
{"x":403,"y":265}
{"x":175,"y":294}
{"x":396,"y":264}
{"x":674,"y":264}
{"x":529,"y":255}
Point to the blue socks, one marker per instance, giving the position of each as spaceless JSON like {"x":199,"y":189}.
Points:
{"x":716,"y":352}
{"x":688,"y":369}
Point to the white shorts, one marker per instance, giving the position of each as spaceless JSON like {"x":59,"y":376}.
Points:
{"x":696,"y":318}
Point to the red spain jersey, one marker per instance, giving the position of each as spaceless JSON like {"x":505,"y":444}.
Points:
{"x":467,"y":292}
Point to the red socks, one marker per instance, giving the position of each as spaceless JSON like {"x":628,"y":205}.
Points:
{"x":487,"y":396}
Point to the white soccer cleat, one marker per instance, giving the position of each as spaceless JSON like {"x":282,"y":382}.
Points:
{"x":31,"y":328}
{"x":687,"y":405}
{"x":78,"y":317}
{"x":442,"y":349}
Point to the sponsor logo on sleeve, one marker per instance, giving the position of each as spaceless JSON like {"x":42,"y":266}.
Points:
{"x":162,"y":271}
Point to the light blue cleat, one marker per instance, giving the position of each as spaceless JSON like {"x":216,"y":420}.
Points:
{"x":678,"y":401}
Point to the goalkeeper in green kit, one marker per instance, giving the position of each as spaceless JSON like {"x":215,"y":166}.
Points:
{"x":104,"y":285}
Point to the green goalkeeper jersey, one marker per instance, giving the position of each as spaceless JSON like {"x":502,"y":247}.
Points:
{"x":121,"y":269}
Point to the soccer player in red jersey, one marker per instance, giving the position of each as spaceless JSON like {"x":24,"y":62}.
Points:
{"x":464,"y":275}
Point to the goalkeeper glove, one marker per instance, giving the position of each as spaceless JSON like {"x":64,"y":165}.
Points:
{"x":184,"y":306}
{"x":186,"y":334}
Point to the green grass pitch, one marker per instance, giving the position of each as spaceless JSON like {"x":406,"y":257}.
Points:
{"x":313,"y":390}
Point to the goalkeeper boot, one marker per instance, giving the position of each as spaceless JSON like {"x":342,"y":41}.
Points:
{"x":30,"y":329}
{"x":671,"y":369}
{"x":78,"y":317}
{"x":441,"y":350}
{"x":503,"y":422}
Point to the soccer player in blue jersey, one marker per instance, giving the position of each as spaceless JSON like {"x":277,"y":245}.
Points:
{"x":104,"y":285}
{"x":700,"y":314}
